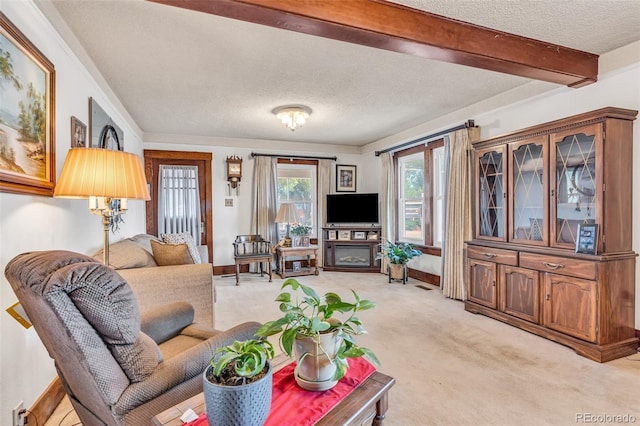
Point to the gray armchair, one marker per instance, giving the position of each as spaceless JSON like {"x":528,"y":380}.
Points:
{"x":119,"y":367}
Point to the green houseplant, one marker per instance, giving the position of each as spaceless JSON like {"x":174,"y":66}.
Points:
{"x":237,"y":384}
{"x":321,"y":331}
{"x":398,"y":255}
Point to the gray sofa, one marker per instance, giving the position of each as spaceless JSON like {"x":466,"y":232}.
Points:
{"x":156,"y":285}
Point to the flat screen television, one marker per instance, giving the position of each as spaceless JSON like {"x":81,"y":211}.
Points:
{"x":352,"y":208}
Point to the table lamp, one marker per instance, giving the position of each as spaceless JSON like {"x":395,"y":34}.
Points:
{"x":107,"y":178}
{"x":287,"y":214}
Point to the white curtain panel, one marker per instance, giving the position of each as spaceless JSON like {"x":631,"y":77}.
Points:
{"x":179,"y":201}
{"x":459,"y":215}
{"x":324,"y":187}
{"x":387,"y":208}
{"x":265,"y":199}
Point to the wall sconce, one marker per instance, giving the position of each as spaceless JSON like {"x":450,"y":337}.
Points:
{"x":234,"y":171}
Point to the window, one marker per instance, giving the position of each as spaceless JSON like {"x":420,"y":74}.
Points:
{"x":421,"y":191}
{"x":297,"y":184}
{"x":179,"y":201}
{"x":439,"y":191}
{"x":411,"y":198}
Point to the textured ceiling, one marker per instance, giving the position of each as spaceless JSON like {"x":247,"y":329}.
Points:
{"x":187,"y":73}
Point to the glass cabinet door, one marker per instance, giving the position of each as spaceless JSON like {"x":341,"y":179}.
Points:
{"x":575,"y":180}
{"x":529,"y":192}
{"x":490,"y":194}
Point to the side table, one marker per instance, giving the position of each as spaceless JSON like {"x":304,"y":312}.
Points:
{"x":308,"y":253}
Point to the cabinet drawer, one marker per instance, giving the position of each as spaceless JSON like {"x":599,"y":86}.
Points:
{"x":560,"y":265}
{"x":505,"y":257}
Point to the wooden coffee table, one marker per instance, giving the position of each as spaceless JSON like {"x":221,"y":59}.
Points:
{"x":366,"y":404}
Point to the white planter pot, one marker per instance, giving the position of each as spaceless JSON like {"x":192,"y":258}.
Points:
{"x":246,"y":405}
{"x":315,"y":368}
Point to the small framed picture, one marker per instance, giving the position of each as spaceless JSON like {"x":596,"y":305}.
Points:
{"x":359,"y":235}
{"x":372,"y":235}
{"x":587,"y":241}
{"x":332,"y":235}
{"x":344,"y":235}
{"x":78,"y":133}
{"x":345,"y":178}
{"x":297,"y":266}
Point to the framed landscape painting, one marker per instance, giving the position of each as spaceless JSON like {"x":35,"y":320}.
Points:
{"x":27,"y":138}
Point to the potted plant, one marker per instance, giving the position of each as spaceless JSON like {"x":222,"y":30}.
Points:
{"x":398,"y":255}
{"x":320,"y":331}
{"x":237,"y":384}
{"x":300,"y":233}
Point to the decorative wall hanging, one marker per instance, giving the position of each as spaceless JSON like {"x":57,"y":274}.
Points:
{"x":103,"y":131}
{"x":78,"y":133}
{"x":345,"y":178}
{"x":234,"y":170}
{"x":27,"y":136}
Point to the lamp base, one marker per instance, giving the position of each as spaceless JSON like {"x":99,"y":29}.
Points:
{"x":106,"y":224}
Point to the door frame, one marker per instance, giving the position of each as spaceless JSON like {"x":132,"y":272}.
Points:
{"x":152,"y":158}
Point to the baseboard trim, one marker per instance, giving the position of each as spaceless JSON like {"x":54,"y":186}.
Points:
{"x":425,"y":277}
{"x":46,"y":404}
{"x":229,"y":269}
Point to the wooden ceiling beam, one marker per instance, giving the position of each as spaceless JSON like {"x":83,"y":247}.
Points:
{"x":398,"y":28}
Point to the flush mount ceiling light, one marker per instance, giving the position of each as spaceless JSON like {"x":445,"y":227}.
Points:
{"x":293,"y":116}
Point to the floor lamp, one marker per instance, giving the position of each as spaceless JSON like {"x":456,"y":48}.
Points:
{"x":287,"y":214}
{"x":107,"y":178}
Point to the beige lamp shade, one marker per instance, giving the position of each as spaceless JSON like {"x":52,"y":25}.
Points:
{"x":287,"y":214}
{"x":101,"y":172}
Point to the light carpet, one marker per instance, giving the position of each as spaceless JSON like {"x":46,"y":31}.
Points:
{"x":453,"y":367}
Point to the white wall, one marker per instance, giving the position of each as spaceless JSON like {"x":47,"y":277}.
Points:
{"x":30,"y":223}
{"x":231,"y":221}
{"x":536,"y":103}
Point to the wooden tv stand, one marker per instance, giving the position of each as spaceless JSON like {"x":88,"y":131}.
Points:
{"x":351,"y":248}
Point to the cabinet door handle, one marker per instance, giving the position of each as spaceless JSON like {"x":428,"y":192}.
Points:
{"x":493,"y":283}
{"x":547,"y":297}
{"x":553,"y":266}
{"x":490,"y":255}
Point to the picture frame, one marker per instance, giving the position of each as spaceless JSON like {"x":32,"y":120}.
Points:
{"x":332,"y":235}
{"x":344,"y":235}
{"x":78,"y":133}
{"x":103,"y":131}
{"x":372,"y":235}
{"x":297,"y":266}
{"x":28,"y":152}
{"x":587,"y":240}
{"x":345,"y":178}
{"x":359,"y":235}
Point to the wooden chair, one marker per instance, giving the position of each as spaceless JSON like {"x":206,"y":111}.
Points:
{"x":249,"y":249}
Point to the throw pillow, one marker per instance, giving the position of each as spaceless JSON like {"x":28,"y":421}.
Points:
{"x":186,"y":239}
{"x":170,"y":254}
{"x":126,"y":254}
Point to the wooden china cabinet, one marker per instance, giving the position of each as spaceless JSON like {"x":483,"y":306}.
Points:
{"x":534,"y":187}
